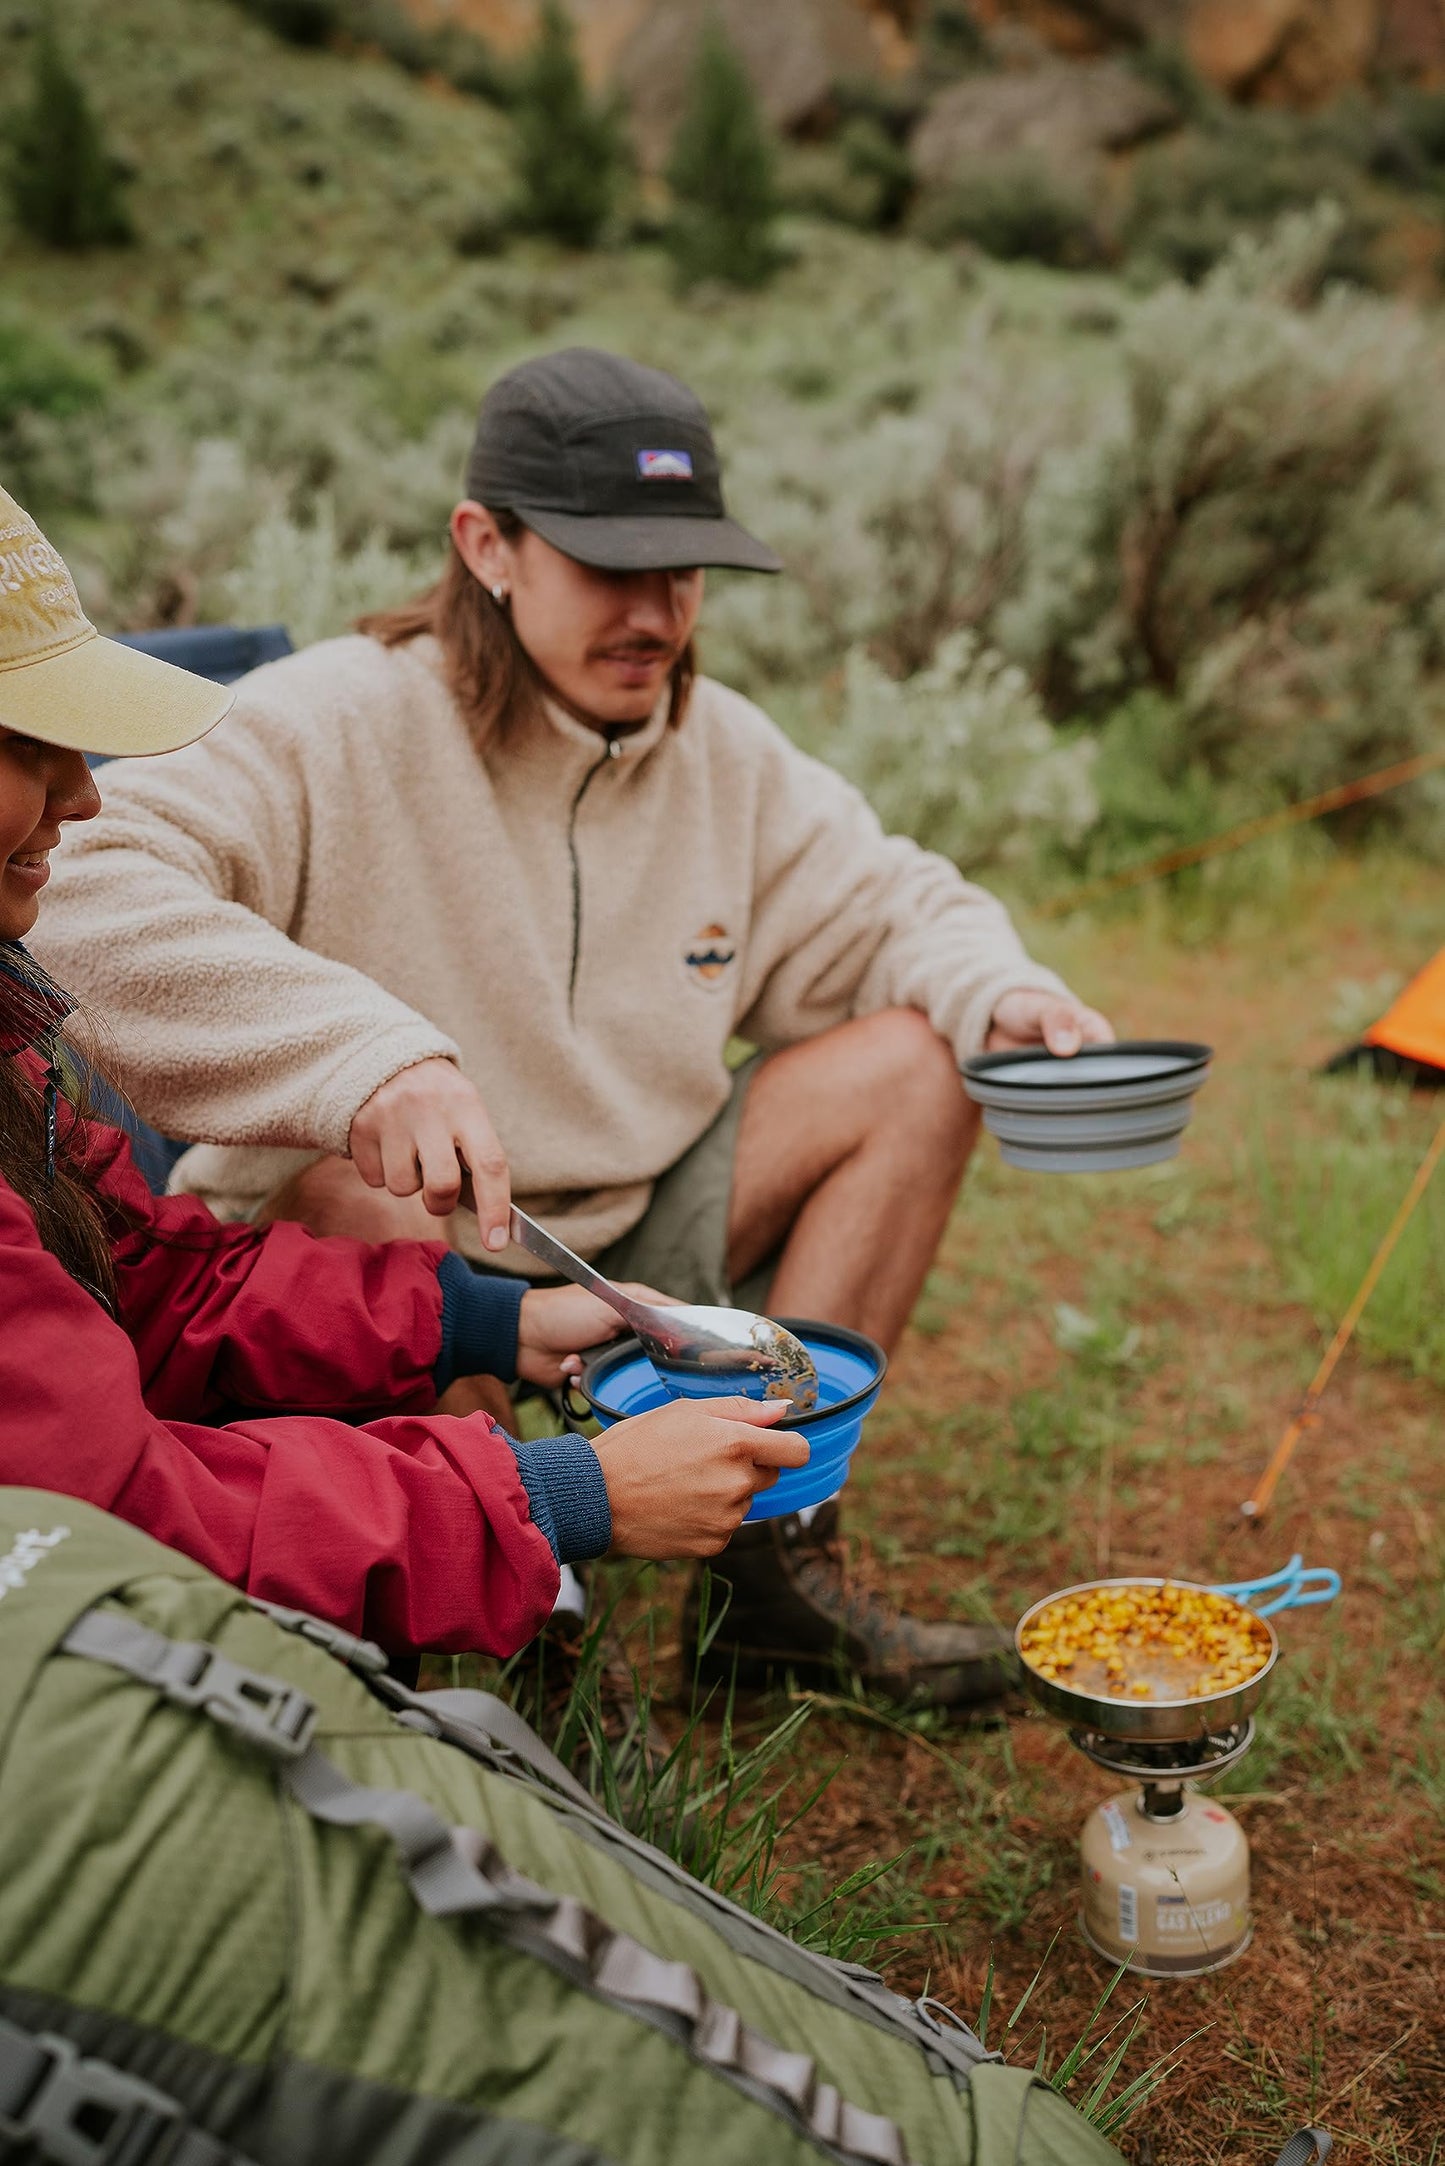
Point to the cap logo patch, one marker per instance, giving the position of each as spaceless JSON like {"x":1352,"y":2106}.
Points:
{"x":664,"y":465}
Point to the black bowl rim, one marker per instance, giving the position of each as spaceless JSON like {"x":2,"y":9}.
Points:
{"x":840,"y":1335}
{"x":983,"y":1064}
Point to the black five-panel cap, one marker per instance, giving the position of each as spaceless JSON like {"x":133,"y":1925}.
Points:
{"x":612,"y":463}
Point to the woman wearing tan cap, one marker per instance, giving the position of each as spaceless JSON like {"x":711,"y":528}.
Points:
{"x":258,"y":1398}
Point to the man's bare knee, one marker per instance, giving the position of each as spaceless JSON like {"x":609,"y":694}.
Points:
{"x":917,"y":1069}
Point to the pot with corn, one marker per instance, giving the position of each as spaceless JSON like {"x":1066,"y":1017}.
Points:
{"x":1157,"y":1680}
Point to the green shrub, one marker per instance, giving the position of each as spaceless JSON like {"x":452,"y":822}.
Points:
{"x":41,"y":375}
{"x":861,"y":178}
{"x":1262,"y":536}
{"x":569,"y":146}
{"x":458,"y":55}
{"x":879,"y":162}
{"x":723,"y":175}
{"x":951,"y":43}
{"x":1191,"y":198}
{"x":1015,"y":209}
{"x":63,"y":182}
{"x":961,"y":756}
{"x":300,"y":22}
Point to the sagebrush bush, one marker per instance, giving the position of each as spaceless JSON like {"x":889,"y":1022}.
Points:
{"x":44,"y":381}
{"x":302,"y":577}
{"x":1191,"y":198}
{"x":1015,"y":209}
{"x":1261,"y":534}
{"x":961,"y":756}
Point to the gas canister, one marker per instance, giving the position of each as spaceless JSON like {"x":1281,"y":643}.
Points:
{"x":1165,"y":1882}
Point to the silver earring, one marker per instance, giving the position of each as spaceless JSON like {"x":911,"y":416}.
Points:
{"x":499,"y":595}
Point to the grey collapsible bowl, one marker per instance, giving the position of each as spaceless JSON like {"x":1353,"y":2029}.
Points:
{"x":1107,"y":1108}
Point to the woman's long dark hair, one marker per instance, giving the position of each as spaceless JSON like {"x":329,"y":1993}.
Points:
{"x":42,"y":1153}
{"x":491,"y":675}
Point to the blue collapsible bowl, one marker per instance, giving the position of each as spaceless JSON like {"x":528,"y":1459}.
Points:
{"x":620,"y":1381}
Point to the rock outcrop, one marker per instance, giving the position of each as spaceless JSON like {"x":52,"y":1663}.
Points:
{"x":796,"y":51}
{"x":1066,"y":116}
{"x":1282,"y":52}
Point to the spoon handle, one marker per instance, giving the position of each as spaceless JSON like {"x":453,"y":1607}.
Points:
{"x":539,"y":1243}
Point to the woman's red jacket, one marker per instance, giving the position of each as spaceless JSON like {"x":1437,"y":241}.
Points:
{"x":261,"y":1402}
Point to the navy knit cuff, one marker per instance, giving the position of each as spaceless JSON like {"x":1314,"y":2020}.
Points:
{"x":480,"y":1314}
{"x":563,"y":1479}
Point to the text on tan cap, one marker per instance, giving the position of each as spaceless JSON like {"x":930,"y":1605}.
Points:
{"x":61,"y":682}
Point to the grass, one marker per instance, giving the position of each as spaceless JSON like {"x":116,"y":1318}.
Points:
{"x":1328,"y":1203}
{"x":1099,"y":1371}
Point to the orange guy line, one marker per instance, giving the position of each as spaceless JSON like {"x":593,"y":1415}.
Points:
{"x":1284,"y":1451}
{"x":1233,"y":838}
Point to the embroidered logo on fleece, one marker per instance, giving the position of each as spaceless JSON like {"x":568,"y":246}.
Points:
{"x":710,"y":955}
{"x":25,"y":1552}
{"x":664,"y":465}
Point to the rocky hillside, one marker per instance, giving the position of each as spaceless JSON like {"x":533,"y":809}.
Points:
{"x":1276,"y":52}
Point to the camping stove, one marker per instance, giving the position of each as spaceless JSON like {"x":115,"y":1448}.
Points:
{"x":1164,"y":1869}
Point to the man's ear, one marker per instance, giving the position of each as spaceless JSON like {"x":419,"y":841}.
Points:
{"x":480,"y":545}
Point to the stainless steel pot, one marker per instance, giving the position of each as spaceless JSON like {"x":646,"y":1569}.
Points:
{"x":1158,"y":1722}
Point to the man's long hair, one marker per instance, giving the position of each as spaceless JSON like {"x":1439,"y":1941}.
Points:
{"x":491,"y":675}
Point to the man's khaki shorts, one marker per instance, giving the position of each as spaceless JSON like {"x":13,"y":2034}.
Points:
{"x":680,"y":1244}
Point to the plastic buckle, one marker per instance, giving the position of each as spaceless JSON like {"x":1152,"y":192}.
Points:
{"x":264,"y":1710}
{"x":86,"y":2113}
{"x":358,"y":1654}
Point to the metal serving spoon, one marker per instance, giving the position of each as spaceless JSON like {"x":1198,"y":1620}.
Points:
{"x":696,"y":1351}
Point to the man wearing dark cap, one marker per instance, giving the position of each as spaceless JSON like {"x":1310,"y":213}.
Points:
{"x":490,"y":888}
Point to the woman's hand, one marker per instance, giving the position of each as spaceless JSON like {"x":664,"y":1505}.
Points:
{"x":680,"y":1479}
{"x":427,"y":1129}
{"x":1054,"y":1020}
{"x":556,"y":1322}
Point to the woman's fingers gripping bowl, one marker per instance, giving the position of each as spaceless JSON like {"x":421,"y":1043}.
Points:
{"x":680,"y":1477}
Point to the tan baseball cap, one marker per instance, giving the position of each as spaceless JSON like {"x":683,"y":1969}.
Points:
{"x":61,"y":682}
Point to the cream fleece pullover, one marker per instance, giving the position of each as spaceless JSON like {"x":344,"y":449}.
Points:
{"x":335,"y":885}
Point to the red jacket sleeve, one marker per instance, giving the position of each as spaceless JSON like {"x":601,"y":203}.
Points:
{"x":225,"y":1317}
{"x":413,"y":1530}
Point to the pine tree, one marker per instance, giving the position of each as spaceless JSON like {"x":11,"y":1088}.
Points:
{"x":63,"y":182}
{"x":723,"y":174}
{"x":569,"y":145}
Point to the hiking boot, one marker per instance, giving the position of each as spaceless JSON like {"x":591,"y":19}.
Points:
{"x":795,"y":1612}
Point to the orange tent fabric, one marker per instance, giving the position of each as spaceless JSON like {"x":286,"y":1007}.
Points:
{"x":1415,"y":1026}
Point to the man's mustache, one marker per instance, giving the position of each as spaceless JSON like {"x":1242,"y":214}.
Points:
{"x":634,"y":650}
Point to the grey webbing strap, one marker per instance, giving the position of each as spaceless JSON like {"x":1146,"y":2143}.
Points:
{"x":1307,"y":2147}
{"x":189,"y":1673}
{"x":454,"y":1872}
{"x":468,"y":1718}
{"x":465,"y":1717}
{"x":491,"y":1731}
{"x":71,"y":2110}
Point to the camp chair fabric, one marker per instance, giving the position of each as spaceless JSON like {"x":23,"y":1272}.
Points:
{"x":222,"y":652}
{"x":324,"y":1917}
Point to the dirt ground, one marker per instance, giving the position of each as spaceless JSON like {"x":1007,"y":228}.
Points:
{"x":1000,"y":1465}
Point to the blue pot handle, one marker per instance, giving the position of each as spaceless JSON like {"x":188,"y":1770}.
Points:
{"x":1296,"y":1586}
